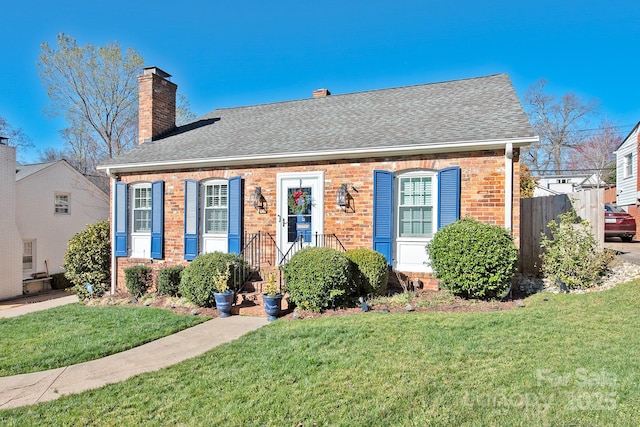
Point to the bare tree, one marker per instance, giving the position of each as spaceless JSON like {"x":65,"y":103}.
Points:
{"x":596,"y":154}
{"x":558,"y":122}
{"x":96,"y":90}
{"x":15,"y":136}
{"x":184,"y":114}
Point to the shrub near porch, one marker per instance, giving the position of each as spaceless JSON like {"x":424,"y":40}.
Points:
{"x":473,"y":259}
{"x":318,"y":277}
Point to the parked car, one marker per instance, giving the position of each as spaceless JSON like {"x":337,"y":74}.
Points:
{"x":618,"y":223}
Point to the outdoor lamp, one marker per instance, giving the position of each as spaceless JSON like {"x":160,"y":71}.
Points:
{"x":258,"y":199}
{"x":342,"y":196}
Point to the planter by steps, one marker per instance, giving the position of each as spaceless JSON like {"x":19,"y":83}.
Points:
{"x":272,"y":305}
{"x":224,"y":300}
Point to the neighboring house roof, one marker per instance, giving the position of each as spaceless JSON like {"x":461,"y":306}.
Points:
{"x":26,"y":171}
{"x":482,"y":112}
{"x":627,"y":137}
{"x":23,"y":171}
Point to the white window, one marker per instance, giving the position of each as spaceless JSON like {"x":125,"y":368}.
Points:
{"x":415,"y":206}
{"x":140,"y":220}
{"x":215,"y":216}
{"x":628,"y":165}
{"x":61,"y":203}
{"x":142,"y":208}
{"x":28,"y":255}
{"x":215,"y":208}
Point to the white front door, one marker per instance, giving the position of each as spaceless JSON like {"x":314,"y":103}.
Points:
{"x":300,"y":209}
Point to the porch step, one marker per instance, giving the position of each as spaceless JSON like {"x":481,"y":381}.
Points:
{"x":250,"y":304}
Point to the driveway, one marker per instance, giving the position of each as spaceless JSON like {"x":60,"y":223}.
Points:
{"x":627,"y":251}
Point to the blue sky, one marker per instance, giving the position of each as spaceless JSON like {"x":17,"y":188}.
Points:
{"x":226,"y":54}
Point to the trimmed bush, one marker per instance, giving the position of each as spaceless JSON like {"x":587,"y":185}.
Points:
{"x":572,"y":254}
{"x":473,"y":259}
{"x":370,"y":272}
{"x":197,"y":282}
{"x":87,"y":261}
{"x":318,"y":277}
{"x":169,"y":280}
{"x":138,"y":279}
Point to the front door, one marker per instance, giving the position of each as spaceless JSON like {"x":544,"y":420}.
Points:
{"x":300,"y":209}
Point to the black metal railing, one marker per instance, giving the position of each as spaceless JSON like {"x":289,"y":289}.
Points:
{"x":261,"y":249}
{"x":296,"y":245}
{"x":317,"y":240}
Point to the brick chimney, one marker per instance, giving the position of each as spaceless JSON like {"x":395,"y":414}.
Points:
{"x":156,"y":105}
{"x":321,"y":93}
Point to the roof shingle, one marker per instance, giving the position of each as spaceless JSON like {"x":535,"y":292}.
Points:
{"x":477,"y":109}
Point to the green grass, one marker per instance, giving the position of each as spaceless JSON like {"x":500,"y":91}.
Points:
{"x":570,"y":360}
{"x":76,"y":333}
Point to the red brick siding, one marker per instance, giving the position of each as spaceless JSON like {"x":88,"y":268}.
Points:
{"x":156,"y":107}
{"x":482,"y":196}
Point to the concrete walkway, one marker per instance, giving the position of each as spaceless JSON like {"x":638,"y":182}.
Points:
{"x":27,"y":389}
{"x":628,"y":251}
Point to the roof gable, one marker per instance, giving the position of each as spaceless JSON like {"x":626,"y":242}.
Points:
{"x":24,"y":171}
{"x":430,"y":115}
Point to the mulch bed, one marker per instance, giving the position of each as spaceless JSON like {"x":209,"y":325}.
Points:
{"x":423,"y":301}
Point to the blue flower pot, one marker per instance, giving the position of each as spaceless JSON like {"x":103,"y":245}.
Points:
{"x":224,"y":300}
{"x":272,"y":306}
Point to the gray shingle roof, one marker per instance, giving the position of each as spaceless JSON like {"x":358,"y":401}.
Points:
{"x":477,"y":109}
{"x":23,"y":171}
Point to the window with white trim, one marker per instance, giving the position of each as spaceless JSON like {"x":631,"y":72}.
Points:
{"x":415,"y":206}
{"x":28,"y":255}
{"x":215,"y":206}
{"x":628,"y":165}
{"x":61,"y":203}
{"x":141,"y":208}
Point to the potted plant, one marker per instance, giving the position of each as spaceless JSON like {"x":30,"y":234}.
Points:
{"x":223,"y":295}
{"x":272,"y":298}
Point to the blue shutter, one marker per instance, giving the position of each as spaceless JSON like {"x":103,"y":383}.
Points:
{"x":157,"y":219}
{"x":448,"y":196}
{"x":190,"y":219}
{"x":235,"y":215}
{"x":121,"y":214}
{"x":383,"y":213}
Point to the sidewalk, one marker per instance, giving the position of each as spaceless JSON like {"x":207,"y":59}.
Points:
{"x":28,"y":389}
{"x":24,"y":305}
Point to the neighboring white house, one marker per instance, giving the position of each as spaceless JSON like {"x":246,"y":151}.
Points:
{"x":10,"y":240}
{"x":627,"y":170}
{"x":564,"y":184}
{"x":43,"y":206}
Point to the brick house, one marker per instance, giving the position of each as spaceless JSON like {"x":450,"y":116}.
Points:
{"x":382,"y":169}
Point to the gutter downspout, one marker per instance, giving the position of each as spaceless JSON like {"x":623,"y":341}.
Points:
{"x":114,"y":269}
{"x":508,"y":186}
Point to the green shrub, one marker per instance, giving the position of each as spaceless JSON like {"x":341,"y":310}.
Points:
{"x":87,"y":261}
{"x":370,"y":272}
{"x":169,"y":280}
{"x":473,"y":259}
{"x":197,"y":282}
{"x":572,"y":254}
{"x":59,"y":281}
{"x":318,"y":277}
{"x":138,"y":279}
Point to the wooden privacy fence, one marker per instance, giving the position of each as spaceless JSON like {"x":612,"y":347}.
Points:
{"x":537,"y":212}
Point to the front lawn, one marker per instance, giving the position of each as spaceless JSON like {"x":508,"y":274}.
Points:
{"x":560,"y":360}
{"x":75,"y":333}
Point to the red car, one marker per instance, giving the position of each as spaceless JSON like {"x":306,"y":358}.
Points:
{"x":618,"y":223}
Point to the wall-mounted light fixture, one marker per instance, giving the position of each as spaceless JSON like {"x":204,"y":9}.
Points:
{"x":259,"y":202}
{"x":343,"y":198}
